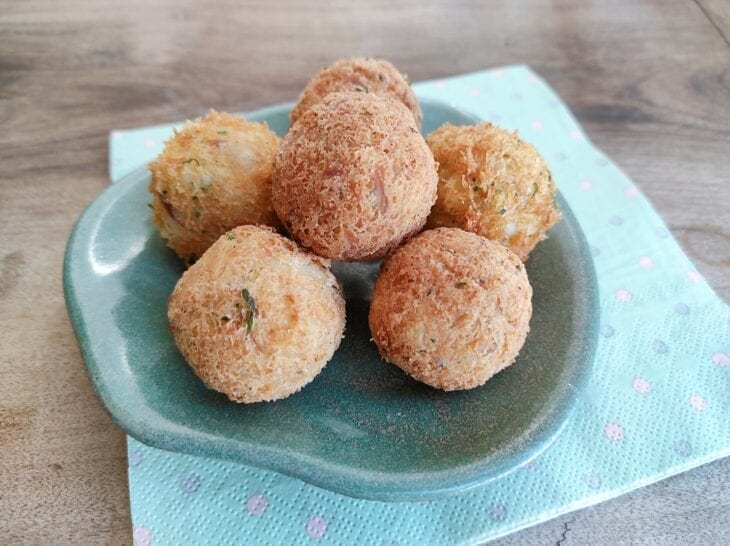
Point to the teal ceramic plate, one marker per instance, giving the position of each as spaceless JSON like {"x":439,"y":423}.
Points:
{"x":363,"y":427}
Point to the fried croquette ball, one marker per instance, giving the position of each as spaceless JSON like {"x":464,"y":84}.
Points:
{"x":256,"y":317}
{"x":353,"y":177}
{"x":359,"y":75}
{"x":451,"y":308}
{"x":213,"y":175}
{"x":492,"y":183}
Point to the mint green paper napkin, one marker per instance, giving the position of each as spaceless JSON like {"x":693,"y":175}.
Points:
{"x":657,"y":404}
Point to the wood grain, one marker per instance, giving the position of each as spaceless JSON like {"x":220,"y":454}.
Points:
{"x":650,"y":82}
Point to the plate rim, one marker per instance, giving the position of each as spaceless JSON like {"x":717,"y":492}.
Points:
{"x":343,"y":479}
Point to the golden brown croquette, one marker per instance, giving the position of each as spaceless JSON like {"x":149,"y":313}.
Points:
{"x":353,"y":177}
{"x":256,"y":317}
{"x":213,"y":175}
{"x":451,"y":308}
{"x":359,"y":74}
{"x":492,"y":183}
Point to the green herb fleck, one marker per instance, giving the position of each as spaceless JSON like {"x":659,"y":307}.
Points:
{"x":460,"y":284}
{"x":475,"y":188}
{"x":191,"y":160}
{"x":222,"y":132}
{"x":433,"y":340}
{"x":251,"y":309}
{"x":535,"y":187}
{"x":361,"y":89}
{"x":230,"y":236}
{"x":150,"y":205}
{"x":225,"y":319}
{"x":198,"y":214}
{"x":502,"y":211}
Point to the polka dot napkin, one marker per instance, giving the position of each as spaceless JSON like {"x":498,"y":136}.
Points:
{"x":657,"y":404}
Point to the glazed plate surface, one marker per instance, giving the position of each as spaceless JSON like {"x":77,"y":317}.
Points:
{"x":363,"y":428}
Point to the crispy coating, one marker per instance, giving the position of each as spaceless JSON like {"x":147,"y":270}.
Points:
{"x":353,"y":177}
{"x":213,"y":175}
{"x":358,"y":74}
{"x":492,"y":183}
{"x":256,"y":317}
{"x":451,"y":308}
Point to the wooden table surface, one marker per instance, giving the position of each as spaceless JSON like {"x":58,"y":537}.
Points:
{"x":649,"y":81}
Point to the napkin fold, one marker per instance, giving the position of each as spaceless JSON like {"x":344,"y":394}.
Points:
{"x":657,"y":403}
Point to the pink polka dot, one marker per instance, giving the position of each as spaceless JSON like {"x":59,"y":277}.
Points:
{"x":497,"y":73}
{"x":698,"y":402}
{"x":149,"y":143}
{"x":721,"y":359}
{"x":694,"y":276}
{"x":316,"y":527}
{"x":642,"y":386}
{"x":532,"y":79}
{"x":537,"y":125}
{"x":440,"y":84}
{"x":614,"y":432}
{"x":646,"y":262}
{"x":575,"y":134}
{"x":585,"y":185}
{"x":256,"y":504}
{"x":116,"y":136}
{"x":623,"y":295}
{"x":631,"y":192}
{"x":141,"y":536}
{"x":474,"y":91}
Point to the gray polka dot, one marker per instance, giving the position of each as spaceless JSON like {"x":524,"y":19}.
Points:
{"x":135,"y":458}
{"x":190,"y":483}
{"x":660,"y":347}
{"x":607,"y":331}
{"x":661,"y":233}
{"x":592,"y":480}
{"x":616,"y":220}
{"x":595,"y":251}
{"x":497,"y":512}
{"x":682,"y":309}
{"x":683,"y":447}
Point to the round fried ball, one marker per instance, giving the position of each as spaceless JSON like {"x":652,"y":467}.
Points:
{"x":255,"y":317}
{"x":451,"y":308}
{"x":492,"y":183}
{"x":353,"y":177}
{"x":213,"y":175}
{"x":360,"y":75}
